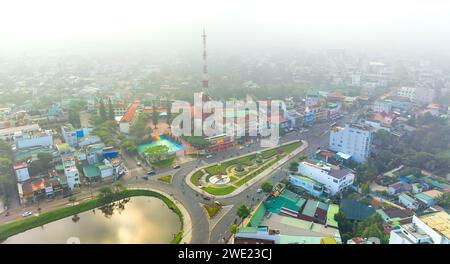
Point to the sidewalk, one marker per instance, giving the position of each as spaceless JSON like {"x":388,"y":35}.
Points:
{"x":262,"y":175}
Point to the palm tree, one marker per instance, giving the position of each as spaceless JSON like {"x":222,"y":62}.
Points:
{"x":118,"y":187}
{"x":72,"y":199}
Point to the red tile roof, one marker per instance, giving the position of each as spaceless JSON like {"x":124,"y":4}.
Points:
{"x":128,"y":116}
{"x":20,"y":166}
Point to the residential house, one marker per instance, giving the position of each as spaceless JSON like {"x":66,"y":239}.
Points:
{"x":408,"y":201}
{"x":399,"y":187}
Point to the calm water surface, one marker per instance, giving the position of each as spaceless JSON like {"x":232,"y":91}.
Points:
{"x":138,"y":220}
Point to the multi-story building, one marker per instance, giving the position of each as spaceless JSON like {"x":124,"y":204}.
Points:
{"x":73,"y":136}
{"x":129,"y":117}
{"x":354,"y":139}
{"x":70,"y":171}
{"x":334,"y":178}
{"x":417,"y":94}
{"x":21,"y":171}
{"x":382,"y":106}
{"x":33,"y":139}
{"x":8,"y":133}
{"x":432,"y":228}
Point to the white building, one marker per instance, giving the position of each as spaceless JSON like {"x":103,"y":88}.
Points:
{"x":433,"y":228}
{"x":417,"y":94}
{"x":28,"y":140}
{"x":8,"y":133}
{"x":71,"y":171}
{"x":21,"y":171}
{"x":354,"y":139}
{"x":73,"y":136}
{"x":333,"y":178}
{"x":382,"y":106}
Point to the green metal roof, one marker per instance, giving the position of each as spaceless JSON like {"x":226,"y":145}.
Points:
{"x":424,"y":197}
{"x":59,"y":167}
{"x":310,"y":208}
{"x":91,"y":171}
{"x":248,"y":229}
{"x":258,"y":216}
{"x":332,"y":210}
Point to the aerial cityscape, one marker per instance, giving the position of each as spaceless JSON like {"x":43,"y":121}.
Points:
{"x":197,"y":142}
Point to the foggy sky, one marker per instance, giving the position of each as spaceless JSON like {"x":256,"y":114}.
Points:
{"x":232,"y":25}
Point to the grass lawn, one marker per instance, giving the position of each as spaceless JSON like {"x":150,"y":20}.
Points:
{"x":163,"y":163}
{"x":195,"y":179}
{"x":239,"y":180}
{"x":219,"y":190}
{"x":212,"y":170}
{"x":166,"y":179}
{"x":45,"y":218}
{"x":212,"y":210}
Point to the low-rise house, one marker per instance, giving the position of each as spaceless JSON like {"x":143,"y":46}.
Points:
{"x":362,"y":241}
{"x":393,"y":215}
{"x":399,"y":187}
{"x":408,"y":201}
{"x":429,"y":198}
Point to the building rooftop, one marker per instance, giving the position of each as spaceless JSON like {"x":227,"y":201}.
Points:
{"x":332,"y":210}
{"x":91,"y":171}
{"x":439,"y":221}
{"x":129,"y":115}
{"x":433,"y":193}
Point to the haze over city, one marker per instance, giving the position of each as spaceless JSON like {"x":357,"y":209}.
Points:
{"x":224,"y":122}
{"x":234,"y":26}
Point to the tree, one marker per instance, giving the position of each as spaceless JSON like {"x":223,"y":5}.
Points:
{"x":243,"y":211}
{"x":156,"y":152}
{"x":293,"y":166}
{"x":444,"y":200}
{"x":41,"y":165}
{"x":154,"y":114}
{"x":129,"y":146}
{"x":197,"y":142}
{"x":233,"y":229}
{"x":111,"y":110}
{"x":365,"y":188}
{"x":102,"y":110}
{"x":74,"y":118}
{"x":118,"y":187}
{"x":169,"y":113}
{"x":266,"y":186}
{"x":72,"y":199}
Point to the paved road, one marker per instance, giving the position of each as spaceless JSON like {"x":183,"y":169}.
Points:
{"x":191,"y":199}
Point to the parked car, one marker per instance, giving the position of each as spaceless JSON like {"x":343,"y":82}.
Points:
{"x":151,"y":172}
{"x":139,"y":163}
{"x":208,"y":156}
{"x":145,"y":178}
{"x":259,"y":190}
{"x":26,"y":214}
{"x":205,"y":197}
